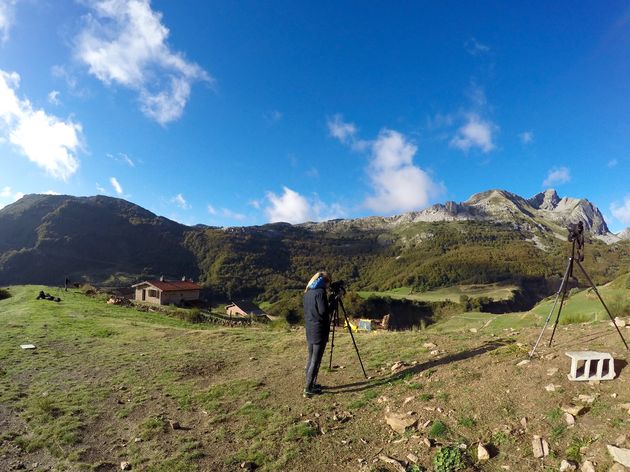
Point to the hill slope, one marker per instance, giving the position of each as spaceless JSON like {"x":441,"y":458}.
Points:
{"x":495,"y":236}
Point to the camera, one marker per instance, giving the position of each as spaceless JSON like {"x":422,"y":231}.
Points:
{"x":338,"y":288}
{"x":576,"y":231}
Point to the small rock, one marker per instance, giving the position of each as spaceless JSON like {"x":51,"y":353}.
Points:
{"x":523,"y":362}
{"x":397,"y":465}
{"x":587,"y":398}
{"x":587,"y":466}
{"x":621,"y":440}
{"x":551,"y":387}
{"x":572,"y":409}
{"x":407,"y":400}
{"x":620,"y":455}
{"x":137,"y":440}
{"x":549,"y":357}
{"x":569,"y":419}
{"x":412,"y":458}
{"x":399,"y":365}
{"x":552,"y":371}
{"x":174,"y":424}
{"x":427,"y":442}
{"x":473,"y":330}
{"x":253,"y":358}
{"x":567,"y":465}
{"x":540,"y":447}
{"x":482,"y":453}
{"x":613,"y":395}
{"x":524,"y":422}
{"x":593,"y":382}
{"x":124,"y":465}
{"x":435,"y":352}
{"x":429,"y":346}
{"x":620,"y":322}
{"x":248,"y":465}
{"x":400,"y":422}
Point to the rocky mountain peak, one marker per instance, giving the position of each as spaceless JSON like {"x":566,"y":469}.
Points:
{"x":547,"y":200}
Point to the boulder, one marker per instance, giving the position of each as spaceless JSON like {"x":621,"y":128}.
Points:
{"x":587,"y":466}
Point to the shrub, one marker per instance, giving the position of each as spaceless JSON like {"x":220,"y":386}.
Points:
{"x":4,"y":293}
{"x":448,"y":459}
{"x":438,"y":429}
{"x":192,"y":316}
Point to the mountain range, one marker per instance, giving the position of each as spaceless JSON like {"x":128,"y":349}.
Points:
{"x":493,"y":236}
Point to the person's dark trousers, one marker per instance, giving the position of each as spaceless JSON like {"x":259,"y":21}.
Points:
{"x":315,"y":354}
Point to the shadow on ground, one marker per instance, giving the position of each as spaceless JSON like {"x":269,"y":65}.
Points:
{"x":416,"y":369}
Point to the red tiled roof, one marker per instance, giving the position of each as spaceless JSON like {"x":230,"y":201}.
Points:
{"x":172,"y":286}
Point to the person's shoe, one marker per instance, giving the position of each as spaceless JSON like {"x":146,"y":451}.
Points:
{"x":317,"y":388}
{"x":308,"y":393}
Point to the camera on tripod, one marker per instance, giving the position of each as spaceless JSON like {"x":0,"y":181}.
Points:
{"x":576,"y":231}
{"x":338,"y":288}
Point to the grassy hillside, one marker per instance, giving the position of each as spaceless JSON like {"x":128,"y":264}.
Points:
{"x":106,"y":383}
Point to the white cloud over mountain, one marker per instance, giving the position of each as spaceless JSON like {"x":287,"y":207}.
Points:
{"x":291,"y":207}
{"x":124,"y":42}
{"x":44,"y":139}
{"x":117,"y":187}
{"x":621,"y":211}
{"x":397,"y":184}
{"x":476,"y":132}
{"x":557,"y":175}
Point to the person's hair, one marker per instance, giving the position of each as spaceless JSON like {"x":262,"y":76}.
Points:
{"x":319,"y":274}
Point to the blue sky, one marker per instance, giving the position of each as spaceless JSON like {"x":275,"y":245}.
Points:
{"x":241,"y":113}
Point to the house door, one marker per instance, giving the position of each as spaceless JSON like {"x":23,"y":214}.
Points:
{"x":144,"y":294}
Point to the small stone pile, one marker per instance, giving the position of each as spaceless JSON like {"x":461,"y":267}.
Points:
{"x":121,"y":301}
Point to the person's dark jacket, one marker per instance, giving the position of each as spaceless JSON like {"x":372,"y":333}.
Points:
{"x":316,"y":315}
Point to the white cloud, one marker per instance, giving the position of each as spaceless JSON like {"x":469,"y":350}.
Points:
{"x":121,"y":157}
{"x":557,"y":175}
{"x":341,"y":130}
{"x":255,"y":203}
{"x":44,"y":139}
{"x":622,"y":212}
{"x":117,"y":187}
{"x":17,"y":196}
{"x":291,"y":207}
{"x":312,"y":172}
{"x":475,"y":133}
{"x":180,"y":201}
{"x":124,"y":42}
{"x":53,"y":97}
{"x":612,"y":163}
{"x":51,"y":192}
{"x":526,"y":137}
{"x":233,"y":215}
{"x":398,"y":184}
{"x":5,"y":192}
{"x":475,"y":48}
{"x":211,"y":210}
{"x":6,"y":18}
{"x":100,"y":189}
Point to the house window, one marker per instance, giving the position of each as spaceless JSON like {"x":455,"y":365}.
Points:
{"x":153,"y":293}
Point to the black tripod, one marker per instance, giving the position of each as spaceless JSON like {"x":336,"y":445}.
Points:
{"x":576,"y":236}
{"x":334,"y":320}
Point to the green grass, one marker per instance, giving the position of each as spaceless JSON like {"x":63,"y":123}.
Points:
{"x":494,"y":291}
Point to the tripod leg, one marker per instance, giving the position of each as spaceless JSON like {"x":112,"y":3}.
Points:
{"x":352,"y":336}
{"x":605,"y":307}
{"x":560,"y":289}
{"x":564,"y":296}
{"x":332,"y":339}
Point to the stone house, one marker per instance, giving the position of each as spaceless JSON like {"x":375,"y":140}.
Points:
{"x":244,"y":308}
{"x":163,"y":292}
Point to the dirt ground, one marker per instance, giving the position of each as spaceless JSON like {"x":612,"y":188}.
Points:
{"x":178,"y":399}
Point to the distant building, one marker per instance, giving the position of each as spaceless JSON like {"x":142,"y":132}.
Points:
{"x":244,"y":308}
{"x":163,"y":292}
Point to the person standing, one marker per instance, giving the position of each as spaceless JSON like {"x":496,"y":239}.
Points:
{"x":317,"y":323}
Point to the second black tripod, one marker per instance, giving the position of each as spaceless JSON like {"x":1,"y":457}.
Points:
{"x":334,"y":320}
{"x":576,"y":236}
